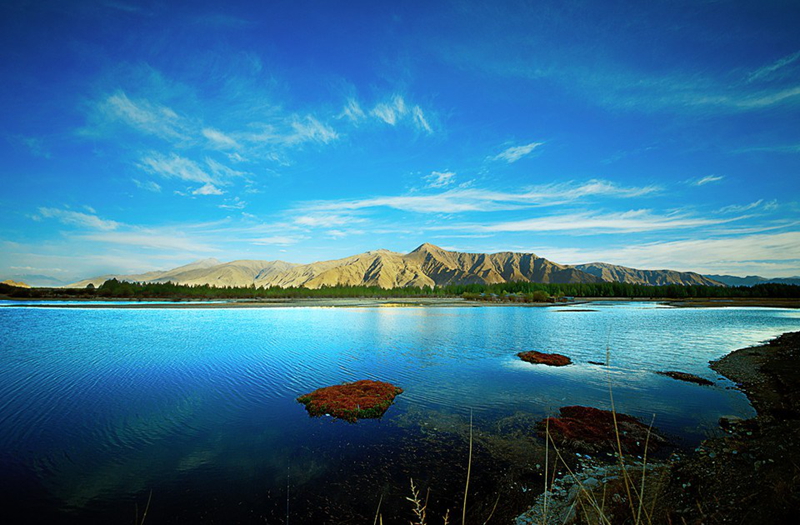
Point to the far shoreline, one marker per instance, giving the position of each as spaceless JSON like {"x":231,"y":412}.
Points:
{"x":382,"y":302}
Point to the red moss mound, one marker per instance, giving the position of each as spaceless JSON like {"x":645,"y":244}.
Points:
{"x":541,"y":358}
{"x":690,"y":378}
{"x":363,"y":399}
{"x":592,"y":430}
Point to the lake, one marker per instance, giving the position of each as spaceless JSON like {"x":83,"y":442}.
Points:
{"x":195,"y":409}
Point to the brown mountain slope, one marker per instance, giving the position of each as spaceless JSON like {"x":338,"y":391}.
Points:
{"x":16,"y":284}
{"x":206,"y":271}
{"x":446,"y":267}
{"x":234,"y":273}
{"x":622,"y":274}
{"x":428,"y":265}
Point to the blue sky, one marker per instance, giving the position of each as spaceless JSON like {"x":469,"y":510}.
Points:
{"x":145,"y":135}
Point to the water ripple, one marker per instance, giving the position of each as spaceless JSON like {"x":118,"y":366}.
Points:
{"x":86,"y":395}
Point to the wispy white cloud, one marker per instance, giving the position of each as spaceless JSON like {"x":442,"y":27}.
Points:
{"x":768,"y":71}
{"x":776,"y":254}
{"x":707,"y":179}
{"x":284,"y":132}
{"x":145,"y":116}
{"x":419,"y":119}
{"x":325,"y":220}
{"x":739,"y":208}
{"x":397,"y":111}
{"x":175,"y":167}
{"x":352,"y":110}
{"x":33,"y":269}
{"x":440,"y":179}
{"x":593,"y":223}
{"x":184,"y":238}
{"x":309,"y":129}
{"x":208,"y":189}
{"x":147,"y":185}
{"x":514,"y":153}
{"x":390,"y":112}
{"x":235,"y":204}
{"x":222,"y":172}
{"x":602,"y":187}
{"x":762,"y":99}
{"x":262,"y":139}
{"x":780,"y":148}
{"x":220,"y":140}
{"x":340,"y":234}
{"x":152,"y":239}
{"x":278,"y":240}
{"x":610,"y":78}
{"x":76,"y":218}
{"x":460,"y":200}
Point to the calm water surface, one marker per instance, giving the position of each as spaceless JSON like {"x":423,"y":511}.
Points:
{"x":99,"y":407}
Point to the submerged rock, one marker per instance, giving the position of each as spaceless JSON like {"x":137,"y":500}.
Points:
{"x":365,"y":399}
{"x":542,"y":358}
{"x":592,"y":430}
{"x":575,"y":496}
{"x":690,"y":378}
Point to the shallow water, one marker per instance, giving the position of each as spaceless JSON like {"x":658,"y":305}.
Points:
{"x":98,"y":407}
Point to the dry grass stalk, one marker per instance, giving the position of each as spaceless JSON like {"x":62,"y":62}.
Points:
{"x":419,"y":507}
{"x":378,"y":511}
{"x":546,"y":464}
{"x":146,"y":508}
{"x":594,"y":511}
{"x":469,"y":469}
{"x":493,"y":509}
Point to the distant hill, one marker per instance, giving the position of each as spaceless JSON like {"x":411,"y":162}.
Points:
{"x":622,"y":274}
{"x":206,"y":271}
{"x":16,"y":284}
{"x":752,"y":280}
{"x":38,"y":280}
{"x":428,"y":265}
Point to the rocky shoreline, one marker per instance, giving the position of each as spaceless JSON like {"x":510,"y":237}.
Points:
{"x":749,"y":473}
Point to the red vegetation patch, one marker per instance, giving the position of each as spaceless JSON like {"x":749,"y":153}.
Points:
{"x":541,"y":358}
{"x":351,"y":401}
{"x":592,"y":430}
{"x":690,"y":378}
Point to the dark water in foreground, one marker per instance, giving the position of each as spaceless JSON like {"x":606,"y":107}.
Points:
{"x":99,"y":407}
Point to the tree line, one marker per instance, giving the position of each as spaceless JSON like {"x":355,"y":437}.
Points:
{"x":522,"y":291}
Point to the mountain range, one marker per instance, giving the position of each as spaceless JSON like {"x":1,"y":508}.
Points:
{"x":428,"y":265}
{"x":16,"y":284}
{"x":613,"y":273}
{"x":752,"y":280}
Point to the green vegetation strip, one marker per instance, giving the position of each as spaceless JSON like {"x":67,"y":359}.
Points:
{"x":523,"y":292}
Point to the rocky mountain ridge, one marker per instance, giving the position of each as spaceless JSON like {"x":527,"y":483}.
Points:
{"x":752,"y":280}
{"x":428,"y":265}
{"x":622,"y":274}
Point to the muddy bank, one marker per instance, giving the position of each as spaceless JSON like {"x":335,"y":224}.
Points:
{"x":751,"y":472}
{"x":372,"y":302}
{"x":765,"y":302}
{"x":367,"y":302}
